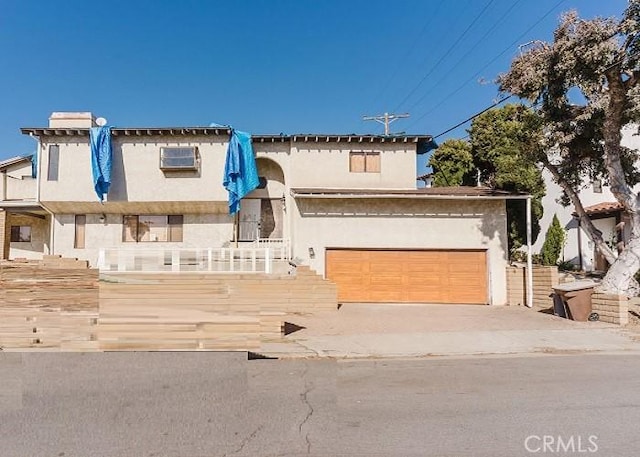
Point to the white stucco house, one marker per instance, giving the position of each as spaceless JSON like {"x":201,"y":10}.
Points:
{"x":346,"y":205}
{"x":602,"y":207}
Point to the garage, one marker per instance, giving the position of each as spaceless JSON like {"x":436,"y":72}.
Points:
{"x":409,"y":276}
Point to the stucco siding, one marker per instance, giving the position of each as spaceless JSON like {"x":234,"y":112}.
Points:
{"x":136,"y":173}
{"x":17,"y":183}
{"x":199,"y":231}
{"x":327,"y":165}
{"x":578,"y":243}
{"x":39,"y":237}
{"x":404,"y":224}
{"x":551,"y":205}
{"x":137,"y":177}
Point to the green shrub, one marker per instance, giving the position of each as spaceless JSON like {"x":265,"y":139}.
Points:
{"x":553,"y":243}
{"x":567,"y":266}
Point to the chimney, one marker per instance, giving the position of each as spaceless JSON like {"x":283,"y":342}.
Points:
{"x":78,"y":120}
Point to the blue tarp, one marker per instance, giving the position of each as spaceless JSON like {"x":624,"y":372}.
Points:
{"x":240,"y":171}
{"x":426,"y":146}
{"x":101,"y":159}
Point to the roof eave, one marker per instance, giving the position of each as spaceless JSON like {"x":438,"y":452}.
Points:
{"x":417,"y":195}
{"x":217,"y":131}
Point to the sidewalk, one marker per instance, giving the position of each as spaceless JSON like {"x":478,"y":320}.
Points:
{"x":380,"y":331}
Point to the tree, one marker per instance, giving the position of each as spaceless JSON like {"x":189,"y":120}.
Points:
{"x":497,"y":139}
{"x":452,"y":162}
{"x":553,"y":243}
{"x":500,"y":141}
{"x":586,"y":84}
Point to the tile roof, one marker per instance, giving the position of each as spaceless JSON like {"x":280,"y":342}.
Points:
{"x":603,"y":208}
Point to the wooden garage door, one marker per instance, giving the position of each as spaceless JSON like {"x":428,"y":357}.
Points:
{"x":432,"y":276}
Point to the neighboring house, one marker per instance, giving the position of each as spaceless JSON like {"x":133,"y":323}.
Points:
{"x":23,"y":222}
{"x":426,"y":180}
{"x":603,"y":209}
{"x":346,"y":205}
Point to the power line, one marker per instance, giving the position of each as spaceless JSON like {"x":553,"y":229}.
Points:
{"x":533,"y":105}
{"x":502,"y":100}
{"x":478,"y":42}
{"x":410,"y":50}
{"x":478,"y":16}
{"x":491,"y":62}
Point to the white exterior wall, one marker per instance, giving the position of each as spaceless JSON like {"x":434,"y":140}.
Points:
{"x":409,"y":224}
{"x":198,"y":230}
{"x":136,"y":174}
{"x":327,"y":165}
{"x":577,"y":243}
{"x":17,"y":183}
{"x":552,"y":206}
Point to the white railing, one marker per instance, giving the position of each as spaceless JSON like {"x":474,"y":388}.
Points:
{"x":280,"y":247}
{"x":214,"y":260}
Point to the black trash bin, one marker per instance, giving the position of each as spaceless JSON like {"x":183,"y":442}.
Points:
{"x":573,"y":300}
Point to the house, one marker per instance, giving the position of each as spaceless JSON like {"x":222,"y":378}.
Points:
{"x":346,"y":205}
{"x":25,"y":234}
{"x":603,"y":209}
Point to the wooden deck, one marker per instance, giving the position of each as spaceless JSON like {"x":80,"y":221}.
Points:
{"x":53,"y":307}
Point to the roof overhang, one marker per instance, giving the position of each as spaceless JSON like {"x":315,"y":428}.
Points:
{"x":19,"y":205}
{"x":434,"y":193}
{"x":217,"y":131}
{"x":126,"y":207}
{"x":15,"y":160}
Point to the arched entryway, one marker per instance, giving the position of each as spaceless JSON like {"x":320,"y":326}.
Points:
{"x":262,"y":211}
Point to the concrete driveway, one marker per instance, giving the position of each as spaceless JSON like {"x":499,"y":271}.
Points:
{"x":393,"y":330}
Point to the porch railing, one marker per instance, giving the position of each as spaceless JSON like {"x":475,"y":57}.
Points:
{"x":219,"y":260}
{"x":280,"y":247}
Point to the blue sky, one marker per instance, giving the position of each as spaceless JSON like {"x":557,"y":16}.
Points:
{"x":264,"y":66}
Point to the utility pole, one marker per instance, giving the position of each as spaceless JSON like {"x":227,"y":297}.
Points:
{"x":385,"y":119}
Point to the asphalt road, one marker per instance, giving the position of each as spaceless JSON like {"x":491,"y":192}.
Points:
{"x":220,"y":404}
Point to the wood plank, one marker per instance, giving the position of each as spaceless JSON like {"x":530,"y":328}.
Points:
{"x":402,"y":276}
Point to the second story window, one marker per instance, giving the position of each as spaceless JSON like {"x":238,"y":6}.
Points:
{"x":364,"y":162}
{"x":597,"y":186}
{"x":178,"y":158}
{"x":54,"y":160}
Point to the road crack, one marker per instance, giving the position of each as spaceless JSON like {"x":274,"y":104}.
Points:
{"x":304,"y":396}
{"x":245,"y":441}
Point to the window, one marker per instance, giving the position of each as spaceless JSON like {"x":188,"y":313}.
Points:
{"x":597,"y":186}
{"x":81,"y":222}
{"x":54,"y":160}
{"x":364,"y":162}
{"x":20,"y":233}
{"x":152,"y":228}
{"x":178,"y":158}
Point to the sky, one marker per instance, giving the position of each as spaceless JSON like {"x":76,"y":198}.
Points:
{"x":277,"y":66}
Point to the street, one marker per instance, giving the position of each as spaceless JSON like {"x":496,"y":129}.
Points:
{"x":221,"y":404}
